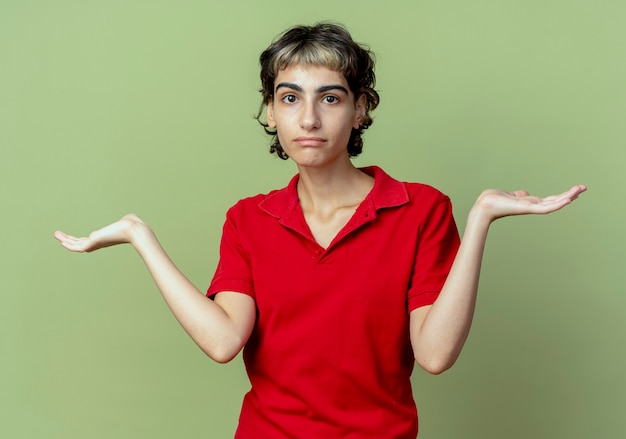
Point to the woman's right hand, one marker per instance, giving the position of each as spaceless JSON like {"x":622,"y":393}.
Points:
{"x":119,"y":232}
{"x":221,"y":327}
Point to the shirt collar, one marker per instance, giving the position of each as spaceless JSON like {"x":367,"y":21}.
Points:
{"x":387,"y":192}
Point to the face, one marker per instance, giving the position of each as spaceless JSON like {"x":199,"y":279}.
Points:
{"x":314,"y":112}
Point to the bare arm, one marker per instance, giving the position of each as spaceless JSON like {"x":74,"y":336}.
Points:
{"x":220,"y":328}
{"x":439,"y":331}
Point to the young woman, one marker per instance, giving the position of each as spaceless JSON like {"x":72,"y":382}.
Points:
{"x":338,"y":283}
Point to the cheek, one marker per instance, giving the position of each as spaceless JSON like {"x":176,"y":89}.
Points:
{"x":280,"y":138}
{"x":283,"y":119}
{"x":353,"y":121}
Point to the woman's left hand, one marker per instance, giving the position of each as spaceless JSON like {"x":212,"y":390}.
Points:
{"x":493,"y":204}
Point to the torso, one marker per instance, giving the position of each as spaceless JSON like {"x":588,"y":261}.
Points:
{"x":327,"y":212}
{"x":324,"y":228}
{"x":330,"y":355}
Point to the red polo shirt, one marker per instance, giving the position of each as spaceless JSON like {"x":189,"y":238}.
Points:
{"x":330,"y":355}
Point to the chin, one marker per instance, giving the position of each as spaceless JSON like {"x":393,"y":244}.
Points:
{"x":307,"y":158}
{"x":317,"y":159}
{"x":308,"y":163}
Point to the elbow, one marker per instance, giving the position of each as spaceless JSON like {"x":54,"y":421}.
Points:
{"x":435,"y":369}
{"x":436,"y":365}
{"x":222,"y":358}
{"x":224,"y":352}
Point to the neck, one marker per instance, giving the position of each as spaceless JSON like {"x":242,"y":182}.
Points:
{"x":327,"y":189}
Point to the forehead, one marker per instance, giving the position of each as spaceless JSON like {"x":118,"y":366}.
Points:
{"x":309,"y":75}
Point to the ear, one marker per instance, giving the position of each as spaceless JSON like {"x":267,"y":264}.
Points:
{"x":359,"y":105}
{"x":269,"y":114}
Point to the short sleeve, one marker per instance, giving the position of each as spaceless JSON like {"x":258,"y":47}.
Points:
{"x":437,"y":246}
{"x":233,"y":272}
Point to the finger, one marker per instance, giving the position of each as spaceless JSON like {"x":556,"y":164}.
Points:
{"x":72,"y":243}
{"x":577,"y":190}
{"x":571,"y":194}
{"x":553,"y":204}
{"x":60,"y":236}
{"x":63,"y":237}
{"x":78,"y":245}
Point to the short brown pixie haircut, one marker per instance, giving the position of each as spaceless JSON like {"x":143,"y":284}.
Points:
{"x":323,"y":44}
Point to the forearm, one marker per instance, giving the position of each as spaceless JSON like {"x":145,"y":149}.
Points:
{"x":209,"y":325}
{"x":440,"y":334}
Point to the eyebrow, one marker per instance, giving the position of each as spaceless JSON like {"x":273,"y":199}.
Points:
{"x":322,"y":89}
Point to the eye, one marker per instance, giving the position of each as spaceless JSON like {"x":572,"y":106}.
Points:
{"x":289,"y":99}
{"x":330,"y":99}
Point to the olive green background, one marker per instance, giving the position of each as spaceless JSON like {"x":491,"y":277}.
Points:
{"x":110,"y":107}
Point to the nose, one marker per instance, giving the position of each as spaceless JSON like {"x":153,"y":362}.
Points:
{"x":309,"y":116}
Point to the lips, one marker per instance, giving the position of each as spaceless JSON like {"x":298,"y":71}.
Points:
{"x":310,"y":141}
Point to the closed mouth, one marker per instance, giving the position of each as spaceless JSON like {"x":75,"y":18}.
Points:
{"x":305,"y":140}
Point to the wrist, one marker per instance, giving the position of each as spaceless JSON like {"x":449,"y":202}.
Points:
{"x":138,"y":232}
{"x":479,"y":216}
